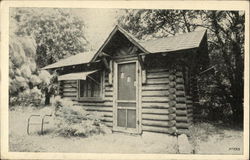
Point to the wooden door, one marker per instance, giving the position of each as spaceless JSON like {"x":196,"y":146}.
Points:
{"x":126,"y":103}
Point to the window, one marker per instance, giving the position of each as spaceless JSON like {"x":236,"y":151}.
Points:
{"x":91,"y":88}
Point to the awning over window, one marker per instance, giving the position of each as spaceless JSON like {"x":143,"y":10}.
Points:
{"x":76,"y":76}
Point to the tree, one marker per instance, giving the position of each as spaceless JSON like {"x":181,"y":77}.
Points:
{"x":226,"y":47}
{"x":38,"y":37}
{"x":57,"y":33}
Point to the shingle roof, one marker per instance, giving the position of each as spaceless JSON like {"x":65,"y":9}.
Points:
{"x":168,"y":44}
{"x":80,"y":58}
{"x":174,"y":43}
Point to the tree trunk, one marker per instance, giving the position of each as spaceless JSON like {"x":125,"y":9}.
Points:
{"x":47,"y":96}
{"x":47,"y":100}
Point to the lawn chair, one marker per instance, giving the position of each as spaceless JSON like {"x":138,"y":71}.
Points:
{"x":42,"y":122}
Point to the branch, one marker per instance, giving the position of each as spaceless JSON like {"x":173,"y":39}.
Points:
{"x":214,"y":43}
{"x":185,"y":21}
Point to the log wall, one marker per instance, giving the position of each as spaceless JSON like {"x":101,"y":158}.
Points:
{"x":68,"y":89}
{"x":165,"y":106}
{"x":158,"y":114}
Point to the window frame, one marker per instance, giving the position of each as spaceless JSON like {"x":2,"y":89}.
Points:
{"x":87,"y":99}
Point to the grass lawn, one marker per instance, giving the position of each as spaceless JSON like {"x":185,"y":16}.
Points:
{"x":206,"y":139}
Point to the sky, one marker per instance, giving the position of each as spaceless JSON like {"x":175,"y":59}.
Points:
{"x":99,"y":23}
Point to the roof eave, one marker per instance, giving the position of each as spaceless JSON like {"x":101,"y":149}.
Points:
{"x":46,"y":67}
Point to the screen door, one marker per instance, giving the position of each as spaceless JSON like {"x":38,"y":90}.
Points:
{"x":126,"y":104}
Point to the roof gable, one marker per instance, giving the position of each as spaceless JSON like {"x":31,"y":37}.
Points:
{"x":123,"y":32}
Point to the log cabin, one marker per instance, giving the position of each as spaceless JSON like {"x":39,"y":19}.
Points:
{"x":139,"y":86}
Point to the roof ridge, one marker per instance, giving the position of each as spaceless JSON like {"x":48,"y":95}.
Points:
{"x":182,"y":34}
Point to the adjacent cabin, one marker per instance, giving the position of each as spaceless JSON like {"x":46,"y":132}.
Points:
{"x":148,"y":86}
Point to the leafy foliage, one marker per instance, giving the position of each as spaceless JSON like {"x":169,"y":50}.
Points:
{"x":223,"y":90}
{"x":38,"y":37}
{"x":23,"y":72}
{"x":57,"y":33}
{"x":72,"y":120}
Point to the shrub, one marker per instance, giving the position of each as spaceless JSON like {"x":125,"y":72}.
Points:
{"x":29,"y":97}
{"x":71,"y":120}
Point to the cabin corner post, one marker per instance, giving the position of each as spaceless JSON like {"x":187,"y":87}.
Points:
{"x":172,"y":101}
{"x":182,"y":120}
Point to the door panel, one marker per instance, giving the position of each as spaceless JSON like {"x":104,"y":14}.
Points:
{"x":131,"y":118}
{"x":126,"y":104}
{"x":126,"y":96}
{"x":121,"y":117}
{"x":127,"y":81}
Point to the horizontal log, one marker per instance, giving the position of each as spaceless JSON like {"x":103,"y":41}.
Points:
{"x":180,"y":87}
{"x":155,"y":129}
{"x":70,"y":82}
{"x":70,"y":97}
{"x":108,"y":85}
{"x":178,"y":74}
{"x":158,"y":70}
{"x":108,"y":99}
{"x":155,"y":111}
{"x":155,"y":87}
{"x":180,"y":93}
{"x":190,"y":115}
{"x":106,"y":104}
{"x":108,"y":89}
{"x":107,"y":119}
{"x":70,"y":86}
{"x":158,"y":81}
{"x":155,"y":99}
{"x":169,"y":130}
{"x":182,"y":125}
{"x":181,"y":99}
{"x":183,"y":131}
{"x":179,"y":81}
{"x":190,"y":110}
{"x":155,"y":93}
{"x":181,"y":112}
{"x":158,"y":123}
{"x":98,"y":109}
{"x":108,"y":94}
{"x":69,"y":89}
{"x":69,"y":94}
{"x":189,"y":97}
{"x":189,"y":101}
{"x":181,"y":106}
{"x":155,"y":105}
{"x":157,"y":75}
{"x":102,"y":113}
{"x":157,"y":117}
{"x":181,"y":119}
